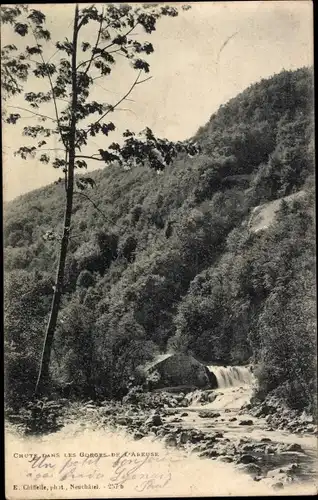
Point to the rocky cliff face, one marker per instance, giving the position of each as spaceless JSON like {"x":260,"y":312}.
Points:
{"x":263,"y":216}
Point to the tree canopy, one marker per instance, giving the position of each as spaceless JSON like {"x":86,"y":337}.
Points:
{"x":210,"y":285}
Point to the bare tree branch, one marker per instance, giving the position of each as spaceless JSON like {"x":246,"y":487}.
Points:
{"x":52,"y":89}
{"x":53,"y":55}
{"x":95,"y":56}
{"x":120,"y":100}
{"x":112,"y":92}
{"x":33,"y":112}
{"x":97,"y":42}
{"x":17,"y":88}
{"x":115,"y":51}
{"x":76,"y":235}
{"x":94,"y":205}
{"x":145,"y":80}
{"x":127,"y":109}
{"x":89,"y":158}
{"x":52,"y":149}
{"x":126,"y":34}
{"x":97,"y":77}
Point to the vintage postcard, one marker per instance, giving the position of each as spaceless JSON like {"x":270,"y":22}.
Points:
{"x":159,"y":249}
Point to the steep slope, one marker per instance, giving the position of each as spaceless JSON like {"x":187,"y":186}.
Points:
{"x":168,"y":260}
{"x":263,"y":216}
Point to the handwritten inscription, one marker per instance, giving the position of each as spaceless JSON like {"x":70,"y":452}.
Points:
{"x":85,"y":468}
{"x":131,"y":469}
{"x":143,"y":471}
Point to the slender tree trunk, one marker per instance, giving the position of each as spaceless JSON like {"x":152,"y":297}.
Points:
{"x":43,"y":377}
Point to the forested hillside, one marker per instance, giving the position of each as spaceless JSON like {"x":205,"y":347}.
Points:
{"x":168,"y":260}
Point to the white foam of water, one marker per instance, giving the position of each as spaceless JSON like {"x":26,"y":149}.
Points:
{"x":189,"y":475}
{"x":232,"y":376}
{"x":231,"y":398}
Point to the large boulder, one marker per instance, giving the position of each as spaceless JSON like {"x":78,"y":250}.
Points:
{"x":177,"y":370}
{"x":212,"y":379}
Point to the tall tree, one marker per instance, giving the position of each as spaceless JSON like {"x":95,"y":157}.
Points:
{"x":70,"y":83}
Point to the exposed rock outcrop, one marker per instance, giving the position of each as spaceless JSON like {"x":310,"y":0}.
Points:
{"x":177,"y":370}
{"x":263,"y":216}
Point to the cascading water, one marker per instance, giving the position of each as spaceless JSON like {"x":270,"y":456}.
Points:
{"x":232,"y":376}
{"x":234,"y":388}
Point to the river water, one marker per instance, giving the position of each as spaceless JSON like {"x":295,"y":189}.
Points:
{"x":170,"y":473}
{"x":86,"y":459}
{"x":232,"y":376}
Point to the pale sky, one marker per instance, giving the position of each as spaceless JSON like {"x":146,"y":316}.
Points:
{"x":191,"y":77}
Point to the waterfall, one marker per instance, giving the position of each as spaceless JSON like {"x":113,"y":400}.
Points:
{"x":232,"y":376}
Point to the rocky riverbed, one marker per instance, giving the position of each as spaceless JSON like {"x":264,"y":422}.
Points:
{"x":219,"y":426}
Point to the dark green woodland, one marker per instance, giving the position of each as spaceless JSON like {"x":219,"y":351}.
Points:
{"x":173,"y":260}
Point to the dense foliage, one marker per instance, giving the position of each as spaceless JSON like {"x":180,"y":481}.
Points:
{"x":167,"y":260}
{"x":71,"y":83}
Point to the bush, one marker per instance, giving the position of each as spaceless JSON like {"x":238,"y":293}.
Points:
{"x":85,"y":279}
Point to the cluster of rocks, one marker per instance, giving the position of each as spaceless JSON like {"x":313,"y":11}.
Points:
{"x":248,"y":456}
{"x":280,"y":477}
{"x":153,"y":400}
{"x":158,"y":415}
{"x":169,"y":399}
{"x":209,"y":414}
{"x":278,"y":416}
{"x":135,"y":412}
{"x":201,"y":397}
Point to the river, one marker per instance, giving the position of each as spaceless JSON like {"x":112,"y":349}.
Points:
{"x":88,"y":459}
